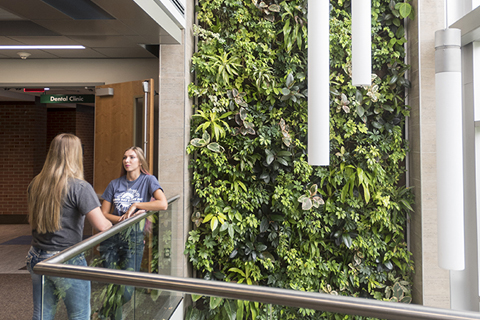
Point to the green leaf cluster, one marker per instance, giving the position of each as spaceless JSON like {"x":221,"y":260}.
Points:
{"x":262,"y":215}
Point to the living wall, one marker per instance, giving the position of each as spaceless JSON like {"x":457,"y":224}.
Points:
{"x":262,"y":215}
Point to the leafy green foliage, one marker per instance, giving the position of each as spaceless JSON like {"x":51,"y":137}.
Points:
{"x":262,"y":215}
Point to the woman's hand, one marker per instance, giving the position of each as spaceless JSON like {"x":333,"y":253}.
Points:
{"x":131,"y":212}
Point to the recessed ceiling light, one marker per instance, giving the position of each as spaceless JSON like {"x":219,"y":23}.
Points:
{"x":44,"y":47}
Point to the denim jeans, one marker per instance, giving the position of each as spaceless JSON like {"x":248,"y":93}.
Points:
{"x":75,"y":293}
{"x":122,"y":251}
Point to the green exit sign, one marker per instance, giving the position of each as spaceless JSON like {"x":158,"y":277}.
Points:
{"x":67,"y":98}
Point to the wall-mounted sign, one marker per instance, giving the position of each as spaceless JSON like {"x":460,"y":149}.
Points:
{"x":67,"y":98}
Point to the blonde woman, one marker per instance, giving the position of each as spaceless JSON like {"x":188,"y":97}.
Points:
{"x":59,"y":199}
{"x":136,"y":191}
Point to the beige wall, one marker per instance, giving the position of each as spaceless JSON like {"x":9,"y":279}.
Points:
{"x":175,"y":110}
{"x":76,"y":71}
{"x":431,"y":283}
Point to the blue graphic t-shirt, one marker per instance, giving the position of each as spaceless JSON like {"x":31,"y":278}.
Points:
{"x":122,"y":193}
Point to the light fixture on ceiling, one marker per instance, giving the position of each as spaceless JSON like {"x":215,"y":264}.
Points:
{"x":24,"y":55}
{"x":40,"y":47}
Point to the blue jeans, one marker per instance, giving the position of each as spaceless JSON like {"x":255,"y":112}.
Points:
{"x":122,"y":251}
{"x":75,"y":293}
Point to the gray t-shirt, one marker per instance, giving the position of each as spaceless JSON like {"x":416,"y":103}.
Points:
{"x":123,"y":193}
{"x":80,"y":200}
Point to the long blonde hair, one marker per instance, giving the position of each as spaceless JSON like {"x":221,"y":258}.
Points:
{"x":141,"y":157}
{"x":47,"y":190}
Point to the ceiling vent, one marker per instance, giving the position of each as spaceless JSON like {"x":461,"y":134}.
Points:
{"x":80,"y":9}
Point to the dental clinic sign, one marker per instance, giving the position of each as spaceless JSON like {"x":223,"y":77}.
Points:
{"x":66,"y":98}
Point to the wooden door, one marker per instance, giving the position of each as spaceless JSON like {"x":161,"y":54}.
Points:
{"x":117,"y":128}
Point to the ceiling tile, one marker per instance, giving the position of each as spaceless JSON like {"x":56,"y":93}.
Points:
{"x":7,"y":41}
{"x":81,"y":27}
{"x":24,"y":28}
{"x":87,"y":53}
{"x":106,"y":41}
{"x":137,"y":52}
{"x":58,"y":40}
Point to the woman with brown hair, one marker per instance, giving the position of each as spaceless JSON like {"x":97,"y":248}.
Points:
{"x":59,"y":199}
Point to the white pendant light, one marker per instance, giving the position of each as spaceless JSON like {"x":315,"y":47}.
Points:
{"x":318,"y":82}
{"x":361,"y":42}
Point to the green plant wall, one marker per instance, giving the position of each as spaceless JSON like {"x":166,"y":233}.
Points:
{"x":262,"y":215}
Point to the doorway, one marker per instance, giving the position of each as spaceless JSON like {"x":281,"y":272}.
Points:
{"x":28,"y":126}
{"x":123,"y":118}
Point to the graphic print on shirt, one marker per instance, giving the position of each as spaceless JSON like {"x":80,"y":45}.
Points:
{"x":125,"y":199}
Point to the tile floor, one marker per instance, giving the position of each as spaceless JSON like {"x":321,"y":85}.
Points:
{"x":12,"y":257}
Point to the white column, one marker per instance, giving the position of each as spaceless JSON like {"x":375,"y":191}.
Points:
{"x":450,"y":182}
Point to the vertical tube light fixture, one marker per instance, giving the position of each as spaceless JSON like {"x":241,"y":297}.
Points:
{"x":361,"y":42}
{"x":450,"y":188}
{"x":146,"y":90}
{"x":318,"y":82}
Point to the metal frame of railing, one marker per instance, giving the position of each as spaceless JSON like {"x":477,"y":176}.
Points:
{"x":292,"y":298}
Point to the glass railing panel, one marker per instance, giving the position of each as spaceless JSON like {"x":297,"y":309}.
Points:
{"x":61,"y":294}
{"x":107,"y":302}
{"x":163,"y":235}
{"x":243,"y":309}
{"x":141,"y":244}
{"x":142,"y":293}
{"x":142,"y":247}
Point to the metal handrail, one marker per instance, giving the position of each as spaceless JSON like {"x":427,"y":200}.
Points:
{"x":292,"y":298}
{"x":92,"y":241}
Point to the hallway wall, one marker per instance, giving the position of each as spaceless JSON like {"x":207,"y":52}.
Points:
{"x":24,"y":124}
{"x":79,"y":121}
{"x":26,"y":132}
{"x":23,"y":138}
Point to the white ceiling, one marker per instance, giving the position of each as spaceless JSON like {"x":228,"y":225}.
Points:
{"x":130,"y":33}
{"x":34,"y":22}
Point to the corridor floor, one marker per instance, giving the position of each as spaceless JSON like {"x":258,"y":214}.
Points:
{"x":13,"y":248}
{"x":15,"y":283}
